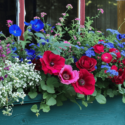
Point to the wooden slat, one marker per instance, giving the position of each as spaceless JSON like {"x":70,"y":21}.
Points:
{"x":121,"y":15}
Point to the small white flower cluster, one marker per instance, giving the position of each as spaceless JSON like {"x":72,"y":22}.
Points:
{"x":20,"y":76}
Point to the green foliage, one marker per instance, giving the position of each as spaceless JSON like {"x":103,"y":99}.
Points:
{"x":100,"y":99}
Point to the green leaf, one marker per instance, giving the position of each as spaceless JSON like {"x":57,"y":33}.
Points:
{"x":44,"y":107}
{"x":80,"y":95}
{"x":110,"y":93}
{"x":23,"y":43}
{"x":100,"y":99}
{"x":32,"y":95}
{"x":19,"y":90}
{"x":39,"y":35}
{"x":43,"y":86}
{"x":123,"y":98}
{"x":85,"y":103}
{"x":45,"y":95}
{"x":95,"y":93}
{"x":34,"y":108}
{"x":50,"y":89}
{"x":51,"y":101}
{"x":59,"y":102}
{"x":52,"y":81}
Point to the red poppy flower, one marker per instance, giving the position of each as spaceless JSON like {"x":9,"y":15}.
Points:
{"x":38,"y":65}
{"x":87,"y":63}
{"x":52,"y":63}
{"x":106,"y":57}
{"x":98,"y":48}
{"x":120,"y":78}
{"x":85,"y":84}
{"x":116,"y":51}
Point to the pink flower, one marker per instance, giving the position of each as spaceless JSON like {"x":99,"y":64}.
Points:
{"x":64,"y":14}
{"x":51,"y":31}
{"x":78,"y":43}
{"x":67,"y":43}
{"x":69,"y":6}
{"x":75,"y":37}
{"x":82,"y":26}
{"x":77,"y":19}
{"x":106,"y":57}
{"x":58,"y":24}
{"x":43,"y":14}
{"x":42,"y":30}
{"x":102,"y":11}
{"x":9,"y":23}
{"x":67,"y":75}
{"x":61,"y":19}
{"x":36,"y":17}
{"x":99,"y":31}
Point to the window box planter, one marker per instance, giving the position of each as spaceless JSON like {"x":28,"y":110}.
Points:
{"x":111,"y":113}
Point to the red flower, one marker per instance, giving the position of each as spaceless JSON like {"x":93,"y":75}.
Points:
{"x":106,"y":57}
{"x":120,"y":78}
{"x":52,"y":63}
{"x":87,"y":63}
{"x":116,"y":51}
{"x":38,"y":65}
{"x":114,"y":67}
{"x":98,"y":48}
{"x":123,"y":61}
{"x":85,"y":84}
{"x":101,"y":40}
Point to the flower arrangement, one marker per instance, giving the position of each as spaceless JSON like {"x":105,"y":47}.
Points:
{"x":89,"y":66}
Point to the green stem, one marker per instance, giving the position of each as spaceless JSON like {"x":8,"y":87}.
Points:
{"x":121,"y":25}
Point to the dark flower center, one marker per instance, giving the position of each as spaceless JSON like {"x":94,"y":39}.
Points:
{"x":52,"y":64}
{"x":66,"y":76}
{"x":81,"y":82}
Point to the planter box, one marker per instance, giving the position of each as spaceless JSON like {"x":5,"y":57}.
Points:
{"x":112,"y":113}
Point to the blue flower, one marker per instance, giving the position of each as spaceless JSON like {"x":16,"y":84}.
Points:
{"x":109,"y":45}
{"x":106,"y":66}
{"x":90,"y":53}
{"x":53,"y":27}
{"x":15,"y":30}
{"x":123,"y":35}
{"x":91,"y":32}
{"x":77,"y":46}
{"x":32,"y":44}
{"x":123,"y":53}
{"x":95,"y":67}
{"x":1,"y":32}
{"x":112,"y":31}
{"x":75,"y":59}
{"x":120,"y":45}
{"x":112,"y":72}
{"x":37,"y":24}
{"x":119,"y":36}
{"x":43,"y":43}
{"x":30,"y":54}
{"x":14,"y":49}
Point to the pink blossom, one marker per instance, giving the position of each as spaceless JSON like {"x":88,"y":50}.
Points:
{"x":90,"y":28}
{"x":67,"y":75}
{"x":78,"y":43}
{"x":75,"y":37}
{"x":82,"y":26}
{"x":36,"y":17}
{"x":64,"y":14}
{"x":99,"y":31}
{"x":55,"y":35}
{"x":42,"y":30}
{"x":58,"y":24}
{"x":67,"y":43}
{"x":61,"y":19}
{"x":77,"y":19}
{"x":51,"y":31}
{"x":102,"y":11}
{"x":9,"y":23}
{"x":43,"y":14}
{"x":69,"y":6}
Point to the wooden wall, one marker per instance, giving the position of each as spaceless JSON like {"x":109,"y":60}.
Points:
{"x":106,"y":20}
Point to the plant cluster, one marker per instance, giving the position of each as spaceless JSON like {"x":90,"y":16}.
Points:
{"x":89,"y":66}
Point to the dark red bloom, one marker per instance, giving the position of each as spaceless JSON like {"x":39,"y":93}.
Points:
{"x":38,"y":65}
{"x":85,"y":84}
{"x":123,"y":61}
{"x":87,"y":63}
{"x":106,"y":57}
{"x":52,"y":63}
{"x":116,"y":51}
{"x":120,"y":78}
{"x":98,"y":48}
